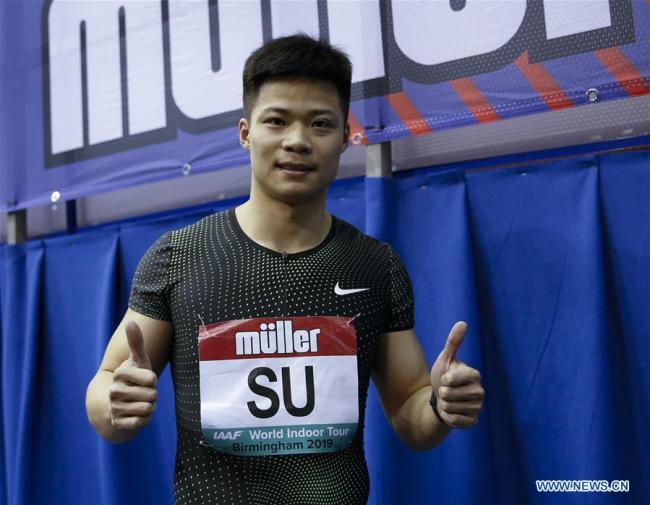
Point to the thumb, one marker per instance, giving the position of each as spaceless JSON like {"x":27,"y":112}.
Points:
{"x":136,"y":345}
{"x":454,"y":341}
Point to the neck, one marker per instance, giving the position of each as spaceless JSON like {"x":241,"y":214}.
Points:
{"x":284,"y":227}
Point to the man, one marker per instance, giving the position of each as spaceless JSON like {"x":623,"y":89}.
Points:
{"x":275,"y":315}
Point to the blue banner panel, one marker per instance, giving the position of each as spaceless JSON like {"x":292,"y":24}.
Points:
{"x":96,"y":96}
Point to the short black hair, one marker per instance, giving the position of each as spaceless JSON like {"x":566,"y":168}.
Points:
{"x":297,"y":56}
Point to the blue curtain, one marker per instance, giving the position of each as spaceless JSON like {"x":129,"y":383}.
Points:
{"x":550,"y":266}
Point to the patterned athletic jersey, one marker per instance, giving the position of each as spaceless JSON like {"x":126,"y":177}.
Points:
{"x":213,"y":272}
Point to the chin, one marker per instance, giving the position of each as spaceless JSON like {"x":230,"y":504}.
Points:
{"x":298,"y":197}
{"x":293,"y":193}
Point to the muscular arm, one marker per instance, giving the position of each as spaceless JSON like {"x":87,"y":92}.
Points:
{"x":122,"y":387}
{"x":401,"y":376}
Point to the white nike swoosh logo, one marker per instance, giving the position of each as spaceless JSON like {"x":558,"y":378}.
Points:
{"x":340,"y":291}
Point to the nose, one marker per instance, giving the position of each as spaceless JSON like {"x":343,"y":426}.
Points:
{"x":297,"y":140}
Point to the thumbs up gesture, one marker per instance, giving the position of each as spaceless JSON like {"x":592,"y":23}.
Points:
{"x":456,"y":386}
{"x":133,"y":393}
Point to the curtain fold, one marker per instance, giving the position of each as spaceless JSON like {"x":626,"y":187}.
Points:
{"x":21,"y":287}
{"x":548,"y":264}
{"x":544,"y":308}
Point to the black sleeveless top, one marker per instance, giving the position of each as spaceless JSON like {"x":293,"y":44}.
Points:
{"x":212,"y":271}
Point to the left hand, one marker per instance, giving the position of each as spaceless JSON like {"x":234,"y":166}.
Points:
{"x":456,"y":385}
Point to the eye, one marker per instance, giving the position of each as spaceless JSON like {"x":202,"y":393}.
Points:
{"x":323,"y":123}
{"x":274,"y":121}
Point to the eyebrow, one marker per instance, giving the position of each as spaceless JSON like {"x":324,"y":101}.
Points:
{"x":313,"y":112}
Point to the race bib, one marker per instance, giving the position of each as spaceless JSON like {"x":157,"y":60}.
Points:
{"x":273,"y":386}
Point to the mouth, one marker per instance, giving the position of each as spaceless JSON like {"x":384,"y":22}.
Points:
{"x":295,"y":167}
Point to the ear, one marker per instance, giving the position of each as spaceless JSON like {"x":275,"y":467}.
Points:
{"x":346,"y":137}
{"x":243,"y":133}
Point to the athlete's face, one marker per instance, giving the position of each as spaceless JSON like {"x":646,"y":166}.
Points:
{"x":296,"y":135}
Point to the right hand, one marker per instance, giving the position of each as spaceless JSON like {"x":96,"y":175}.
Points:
{"x":133,"y":393}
